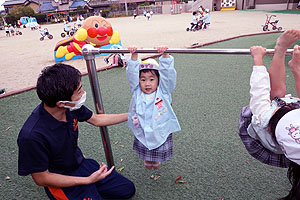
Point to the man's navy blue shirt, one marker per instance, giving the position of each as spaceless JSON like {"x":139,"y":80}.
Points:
{"x":46,"y":143}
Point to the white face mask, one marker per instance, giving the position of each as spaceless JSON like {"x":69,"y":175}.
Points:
{"x":77,"y":104}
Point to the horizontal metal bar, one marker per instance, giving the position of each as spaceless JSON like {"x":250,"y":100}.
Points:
{"x":179,"y":51}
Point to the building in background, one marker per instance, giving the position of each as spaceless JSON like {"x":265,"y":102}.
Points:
{"x":126,"y":7}
{"x":9,"y":5}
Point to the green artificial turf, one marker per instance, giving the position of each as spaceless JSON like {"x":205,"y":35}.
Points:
{"x":286,"y":11}
{"x":208,"y":153}
{"x":277,"y":11}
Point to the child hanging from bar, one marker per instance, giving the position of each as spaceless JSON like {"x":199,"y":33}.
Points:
{"x":151,"y":117}
{"x":270,"y":126}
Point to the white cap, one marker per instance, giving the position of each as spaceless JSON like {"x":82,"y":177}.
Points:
{"x":149,"y":64}
{"x":287,"y":134}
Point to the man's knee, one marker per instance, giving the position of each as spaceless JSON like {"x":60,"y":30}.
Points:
{"x":130,"y":190}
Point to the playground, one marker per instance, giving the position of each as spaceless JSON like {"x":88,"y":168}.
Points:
{"x":27,"y":55}
{"x":211,"y":90}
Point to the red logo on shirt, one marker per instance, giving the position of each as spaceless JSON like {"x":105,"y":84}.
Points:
{"x":75,"y":124}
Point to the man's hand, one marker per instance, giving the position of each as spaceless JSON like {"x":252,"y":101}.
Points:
{"x":100,"y":174}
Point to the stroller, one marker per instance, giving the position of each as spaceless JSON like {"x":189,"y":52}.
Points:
{"x":273,"y":24}
{"x":44,"y":32}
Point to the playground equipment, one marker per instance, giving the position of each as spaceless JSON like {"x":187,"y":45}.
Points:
{"x":44,"y":32}
{"x":89,"y":52}
{"x":94,"y":30}
{"x":228,"y":5}
{"x":29,"y":22}
{"x":273,"y":24}
{"x":23,"y":21}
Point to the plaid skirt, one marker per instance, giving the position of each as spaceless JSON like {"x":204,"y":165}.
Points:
{"x":254,"y":147}
{"x":160,"y":154}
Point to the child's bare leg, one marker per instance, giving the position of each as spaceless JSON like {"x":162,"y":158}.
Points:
{"x":295,"y":67}
{"x":156,"y":165}
{"x":277,"y":67}
{"x":148,"y":164}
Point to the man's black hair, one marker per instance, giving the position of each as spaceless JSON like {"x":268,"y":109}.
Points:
{"x":57,"y":83}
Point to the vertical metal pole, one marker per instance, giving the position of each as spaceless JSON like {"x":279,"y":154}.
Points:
{"x":91,"y":67}
{"x":126,"y":9}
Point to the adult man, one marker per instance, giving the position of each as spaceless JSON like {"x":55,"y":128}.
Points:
{"x":48,"y":148}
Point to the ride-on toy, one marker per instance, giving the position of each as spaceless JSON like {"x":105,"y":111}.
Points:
{"x":44,"y":32}
{"x":69,"y":33}
{"x":273,"y":24}
{"x":197,"y":27}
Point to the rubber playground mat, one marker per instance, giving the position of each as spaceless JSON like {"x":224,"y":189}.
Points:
{"x":208,"y":153}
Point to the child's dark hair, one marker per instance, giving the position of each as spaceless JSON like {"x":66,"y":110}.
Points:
{"x":279,"y":114}
{"x":294,"y":169}
{"x":57,"y":83}
{"x":153,"y":71}
{"x":194,"y":13}
{"x":294,"y":177}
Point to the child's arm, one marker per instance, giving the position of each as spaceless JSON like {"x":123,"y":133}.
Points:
{"x":260,"y":83}
{"x":161,"y":50}
{"x":167,"y":72}
{"x":257,"y":53}
{"x":134,"y":56}
{"x":132,"y":70}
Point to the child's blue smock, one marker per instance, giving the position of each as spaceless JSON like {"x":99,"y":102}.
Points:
{"x":151,"y":117}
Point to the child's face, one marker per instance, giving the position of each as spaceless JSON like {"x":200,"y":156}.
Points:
{"x":148,"y":82}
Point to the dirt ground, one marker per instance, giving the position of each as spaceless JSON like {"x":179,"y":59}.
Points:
{"x":23,"y":57}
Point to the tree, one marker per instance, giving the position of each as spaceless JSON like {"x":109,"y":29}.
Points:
{"x":17,"y":12}
{"x":114,"y":6}
{"x":26,"y":11}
